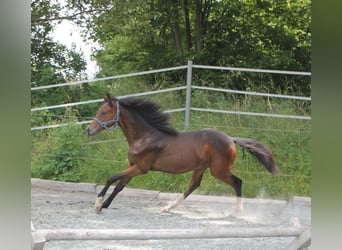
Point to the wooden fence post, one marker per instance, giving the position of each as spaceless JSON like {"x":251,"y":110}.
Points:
{"x":37,"y":239}
{"x":301,"y":242}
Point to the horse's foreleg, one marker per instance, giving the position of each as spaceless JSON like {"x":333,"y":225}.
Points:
{"x":118,"y":188}
{"x":174,"y":204}
{"x":100,"y":196}
{"x":125,"y":177}
{"x":194,"y":183}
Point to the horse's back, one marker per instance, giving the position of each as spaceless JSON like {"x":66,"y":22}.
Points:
{"x":211,"y":136}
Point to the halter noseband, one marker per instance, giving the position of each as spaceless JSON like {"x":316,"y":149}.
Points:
{"x":114,"y":121}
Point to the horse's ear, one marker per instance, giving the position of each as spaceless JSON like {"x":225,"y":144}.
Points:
{"x":107,"y":98}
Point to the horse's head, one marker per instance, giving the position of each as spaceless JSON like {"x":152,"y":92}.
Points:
{"x":107,"y":116}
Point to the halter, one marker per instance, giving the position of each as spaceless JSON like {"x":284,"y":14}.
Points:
{"x":114,"y":121}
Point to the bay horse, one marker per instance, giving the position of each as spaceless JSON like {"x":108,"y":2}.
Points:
{"x":154,"y":145}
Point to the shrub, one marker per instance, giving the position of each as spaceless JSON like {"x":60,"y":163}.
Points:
{"x":60,"y":155}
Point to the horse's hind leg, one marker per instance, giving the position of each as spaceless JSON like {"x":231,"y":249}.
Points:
{"x":238,"y":186}
{"x":194,"y":183}
{"x":236,"y":183}
{"x":224,"y":174}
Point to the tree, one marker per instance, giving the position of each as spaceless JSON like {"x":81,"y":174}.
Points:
{"x":141,"y":35}
{"x":51,"y":62}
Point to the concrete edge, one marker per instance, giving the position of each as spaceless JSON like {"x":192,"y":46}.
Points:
{"x":151,"y":194}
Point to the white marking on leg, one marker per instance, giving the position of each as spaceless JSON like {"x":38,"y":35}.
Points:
{"x":239,"y":206}
{"x":238,"y":209}
{"x":174,"y":204}
{"x":98,"y":204}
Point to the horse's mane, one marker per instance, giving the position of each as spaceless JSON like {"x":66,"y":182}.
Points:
{"x":150,"y":112}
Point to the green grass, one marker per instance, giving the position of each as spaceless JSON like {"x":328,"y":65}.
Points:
{"x":289,"y":139}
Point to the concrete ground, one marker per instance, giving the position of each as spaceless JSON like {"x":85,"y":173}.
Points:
{"x":60,"y":205}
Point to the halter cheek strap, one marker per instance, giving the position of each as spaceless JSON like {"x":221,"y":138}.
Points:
{"x":113,"y":121}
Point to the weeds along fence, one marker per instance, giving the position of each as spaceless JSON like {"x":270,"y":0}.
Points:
{"x":187,"y":108}
{"x":192,"y":111}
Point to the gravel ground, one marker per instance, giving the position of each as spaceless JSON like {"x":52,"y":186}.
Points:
{"x":66,"y":205}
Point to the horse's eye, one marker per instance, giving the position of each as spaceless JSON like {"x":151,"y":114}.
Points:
{"x":103,"y":113}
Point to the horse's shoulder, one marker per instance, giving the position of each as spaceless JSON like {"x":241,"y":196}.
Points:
{"x":144,"y":145}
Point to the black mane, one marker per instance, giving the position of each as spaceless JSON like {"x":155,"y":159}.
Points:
{"x":150,"y":112}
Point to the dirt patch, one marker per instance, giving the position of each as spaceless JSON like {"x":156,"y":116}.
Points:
{"x":68,"y":205}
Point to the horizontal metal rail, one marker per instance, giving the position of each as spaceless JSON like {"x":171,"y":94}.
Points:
{"x":58,"y":125}
{"x":108,"y":78}
{"x":194,"y":109}
{"x":101,"y":100}
{"x":270,"y":71}
{"x":252,"y":113}
{"x":66,"y":105}
{"x":172,"y":69}
{"x":87,"y":122}
{"x":253,"y":93}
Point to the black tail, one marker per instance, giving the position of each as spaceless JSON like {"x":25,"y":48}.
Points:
{"x":260,"y":152}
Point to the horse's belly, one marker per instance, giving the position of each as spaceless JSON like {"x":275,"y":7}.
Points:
{"x":190,"y":150}
{"x":178,"y":161}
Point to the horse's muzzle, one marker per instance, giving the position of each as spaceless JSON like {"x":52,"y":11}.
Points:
{"x":91,"y":131}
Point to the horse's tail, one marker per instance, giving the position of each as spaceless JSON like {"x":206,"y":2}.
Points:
{"x":260,"y":152}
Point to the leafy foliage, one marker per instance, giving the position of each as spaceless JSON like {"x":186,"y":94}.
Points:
{"x":51,"y":62}
{"x":141,"y":35}
{"x":60,"y":155}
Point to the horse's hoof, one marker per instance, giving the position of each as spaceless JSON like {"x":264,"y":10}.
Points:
{"x":98,"y":204}
{"x":98,"y":210}
{"x":165,"y":209}
{"x":236,"y":212}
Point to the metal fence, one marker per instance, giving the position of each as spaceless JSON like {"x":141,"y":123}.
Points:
{"x":188,"y":87}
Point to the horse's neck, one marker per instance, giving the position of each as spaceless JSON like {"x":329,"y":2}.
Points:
{"x":133,"y":126}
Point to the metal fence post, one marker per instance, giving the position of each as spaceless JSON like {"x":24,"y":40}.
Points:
{"x":188,"y":96}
